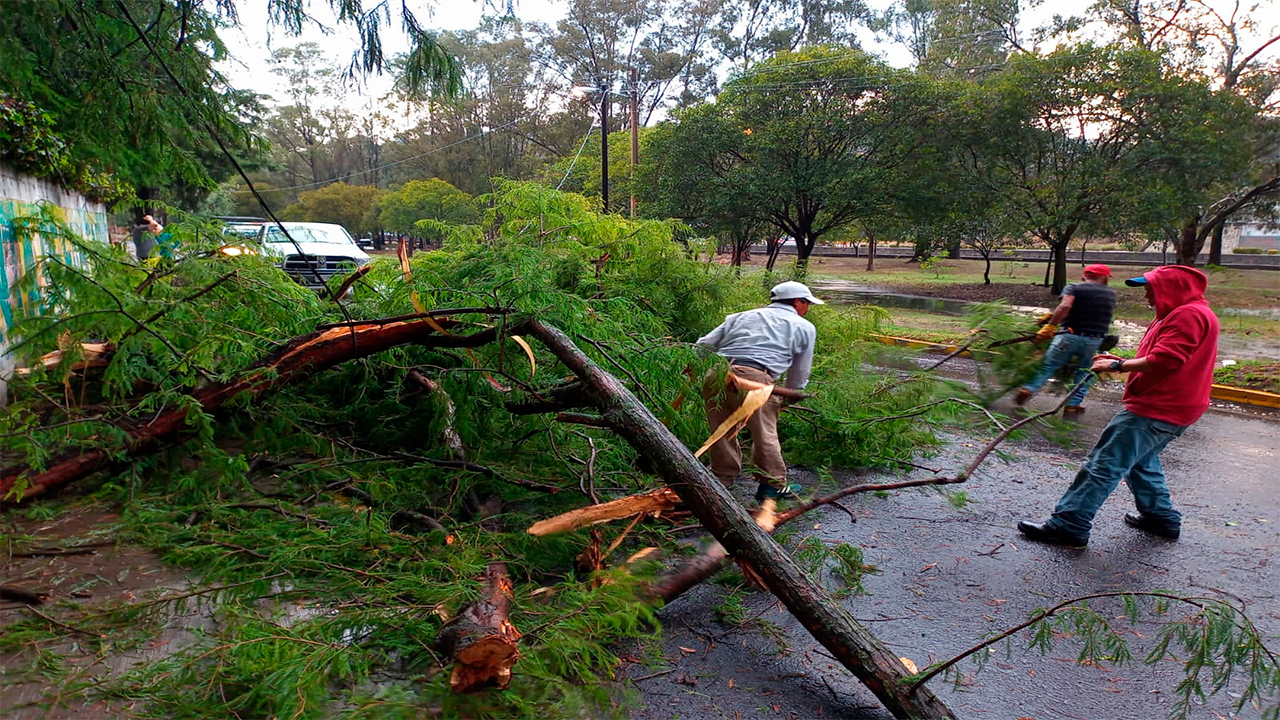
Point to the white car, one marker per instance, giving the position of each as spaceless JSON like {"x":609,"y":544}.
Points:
{"x":326,"y":250}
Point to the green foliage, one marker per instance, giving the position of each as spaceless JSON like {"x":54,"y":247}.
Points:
{"x":118,"y":110}
{"x":298,"y":497}
{"x":1154,"y":141}
{"x":935,"y":264}
{"x":1216,"y":643}
{"x":351,"y":206}
{"x":29,"y":142}
{"x":400,"y":209}
{"x":809,"y":141}
{"x":1006,"y":366}
{"x":843,"y":559}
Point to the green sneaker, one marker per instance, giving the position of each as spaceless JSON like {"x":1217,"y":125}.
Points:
{"x":790,"y":491}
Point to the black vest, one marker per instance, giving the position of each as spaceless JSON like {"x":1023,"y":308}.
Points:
{"x":1091,"y":312}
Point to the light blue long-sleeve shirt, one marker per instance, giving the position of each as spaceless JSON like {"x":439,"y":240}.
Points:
{"x":774,"y":336}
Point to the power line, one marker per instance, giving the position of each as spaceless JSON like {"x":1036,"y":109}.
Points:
{"x":581,"y":147}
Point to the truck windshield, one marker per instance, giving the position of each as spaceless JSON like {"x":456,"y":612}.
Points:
{"x":334,"y":235}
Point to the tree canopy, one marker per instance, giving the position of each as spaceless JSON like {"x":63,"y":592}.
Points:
{"x":400,"y":209}
{"x":112,"y":100}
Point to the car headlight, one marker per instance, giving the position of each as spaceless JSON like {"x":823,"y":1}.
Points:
{"x":236,"y":250}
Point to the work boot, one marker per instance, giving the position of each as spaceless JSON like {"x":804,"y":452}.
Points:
{"x":1022,"y":397}
{"x":1071,"y":411}
{"x":1150,"y":525}
{"x":789,"y":490}
{"x":1046,"y":533}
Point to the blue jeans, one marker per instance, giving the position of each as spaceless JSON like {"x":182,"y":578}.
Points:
{"x":1129,"y":450}
{"x":1065,"y":347}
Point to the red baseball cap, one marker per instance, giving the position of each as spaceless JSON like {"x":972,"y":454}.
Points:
{"x":1098,"y":269}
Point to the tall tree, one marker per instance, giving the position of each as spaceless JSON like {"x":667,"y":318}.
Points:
{"x":1231,"y":46}
{"x":748,"y":31}
{"x":599,"y":41}
{"x":700,"y":193}
{"x":112,"y":98}
{"x":822,"y":138}
{"x":965,"y":38}
{"x":401,"y":208}
{"x":351,"y":206}
{"x":510,"y":121}
{"x":1090,"y":139}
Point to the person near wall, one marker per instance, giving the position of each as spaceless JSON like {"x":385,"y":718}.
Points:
{"x":1077,"y":328}
{"x":1167,"y":391}
{"x":151,"y":235}
{"x":761,"y":345}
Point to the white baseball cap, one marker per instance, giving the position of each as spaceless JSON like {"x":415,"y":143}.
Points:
{"x":792,"y":290}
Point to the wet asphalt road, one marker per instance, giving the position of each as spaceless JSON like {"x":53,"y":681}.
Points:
{"x":949,"y":577}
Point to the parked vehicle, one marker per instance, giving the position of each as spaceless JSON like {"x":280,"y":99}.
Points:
{"x":249,"y":227}
{"x":326,"y":250}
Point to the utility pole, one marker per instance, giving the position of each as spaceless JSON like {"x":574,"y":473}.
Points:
{"x":635,"y":135}
{"x":604,"y":147}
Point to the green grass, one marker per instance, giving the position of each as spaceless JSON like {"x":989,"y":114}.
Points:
{"x":1252,"y":374}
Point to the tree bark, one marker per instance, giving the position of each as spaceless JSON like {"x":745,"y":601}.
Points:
{"x":708,"y":499}
{"x":303,"y":356}
{"x":1215,"y":246}
{"x":871,"y":249}
{"x":1059,"y":268}
{"x":1189,"y":244}
{"x":481,"y":639}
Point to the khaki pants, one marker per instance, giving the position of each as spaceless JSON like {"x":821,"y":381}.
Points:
{"x":726,"y":453}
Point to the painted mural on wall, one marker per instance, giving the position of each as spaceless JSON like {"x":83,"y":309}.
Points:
{"x":24,"y":240}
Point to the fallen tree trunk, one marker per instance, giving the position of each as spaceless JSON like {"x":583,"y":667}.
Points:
{"x":828,"y":622}
{"x":480,"y":639}
{"x":303,"y":356}
{"x":704,"y":565}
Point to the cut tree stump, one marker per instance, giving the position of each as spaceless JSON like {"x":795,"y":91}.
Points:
{"x":481,"y":640}
{"x":830,"y":624}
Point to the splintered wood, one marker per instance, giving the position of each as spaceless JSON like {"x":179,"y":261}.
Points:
{"x":656,"y":501}
{"x":481,"y":639}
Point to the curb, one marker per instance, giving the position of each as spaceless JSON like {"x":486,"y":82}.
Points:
{"x":1244,"y":396}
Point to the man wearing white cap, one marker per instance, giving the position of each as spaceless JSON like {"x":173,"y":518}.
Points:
{"x":760,"y":345}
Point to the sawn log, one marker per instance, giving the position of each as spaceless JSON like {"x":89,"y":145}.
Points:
{"x":480,"y":639}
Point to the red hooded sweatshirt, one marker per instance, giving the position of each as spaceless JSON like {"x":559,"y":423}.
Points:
{"x":1181,"y":345}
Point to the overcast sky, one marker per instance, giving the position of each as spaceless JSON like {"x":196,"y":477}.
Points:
{"x":251,"y":45}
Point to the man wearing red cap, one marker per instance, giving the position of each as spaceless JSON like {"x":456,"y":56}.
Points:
{"x":1168,"y":390}
{"x":1084,"y":315}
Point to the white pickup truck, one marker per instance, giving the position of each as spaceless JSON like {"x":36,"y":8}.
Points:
{"x":322,"y":251}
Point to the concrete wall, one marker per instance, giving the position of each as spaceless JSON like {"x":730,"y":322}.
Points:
{"x":21,"y":248}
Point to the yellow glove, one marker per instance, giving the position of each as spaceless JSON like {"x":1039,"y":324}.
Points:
{"x":1046,"y":332}
{"x":1044,"y":318}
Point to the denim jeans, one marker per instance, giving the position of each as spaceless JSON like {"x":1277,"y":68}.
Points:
{"x":1065,"y":347}
{"x":1129,"y":450}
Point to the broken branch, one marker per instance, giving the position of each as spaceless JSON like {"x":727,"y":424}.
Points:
{"x":481,"y":639}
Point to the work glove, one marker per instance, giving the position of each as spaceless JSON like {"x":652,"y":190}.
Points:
{"x":1044,"y":318}
{"x":1047,"y":331}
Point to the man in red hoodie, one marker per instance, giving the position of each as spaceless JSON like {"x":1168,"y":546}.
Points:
{"x":1168,"y":390}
